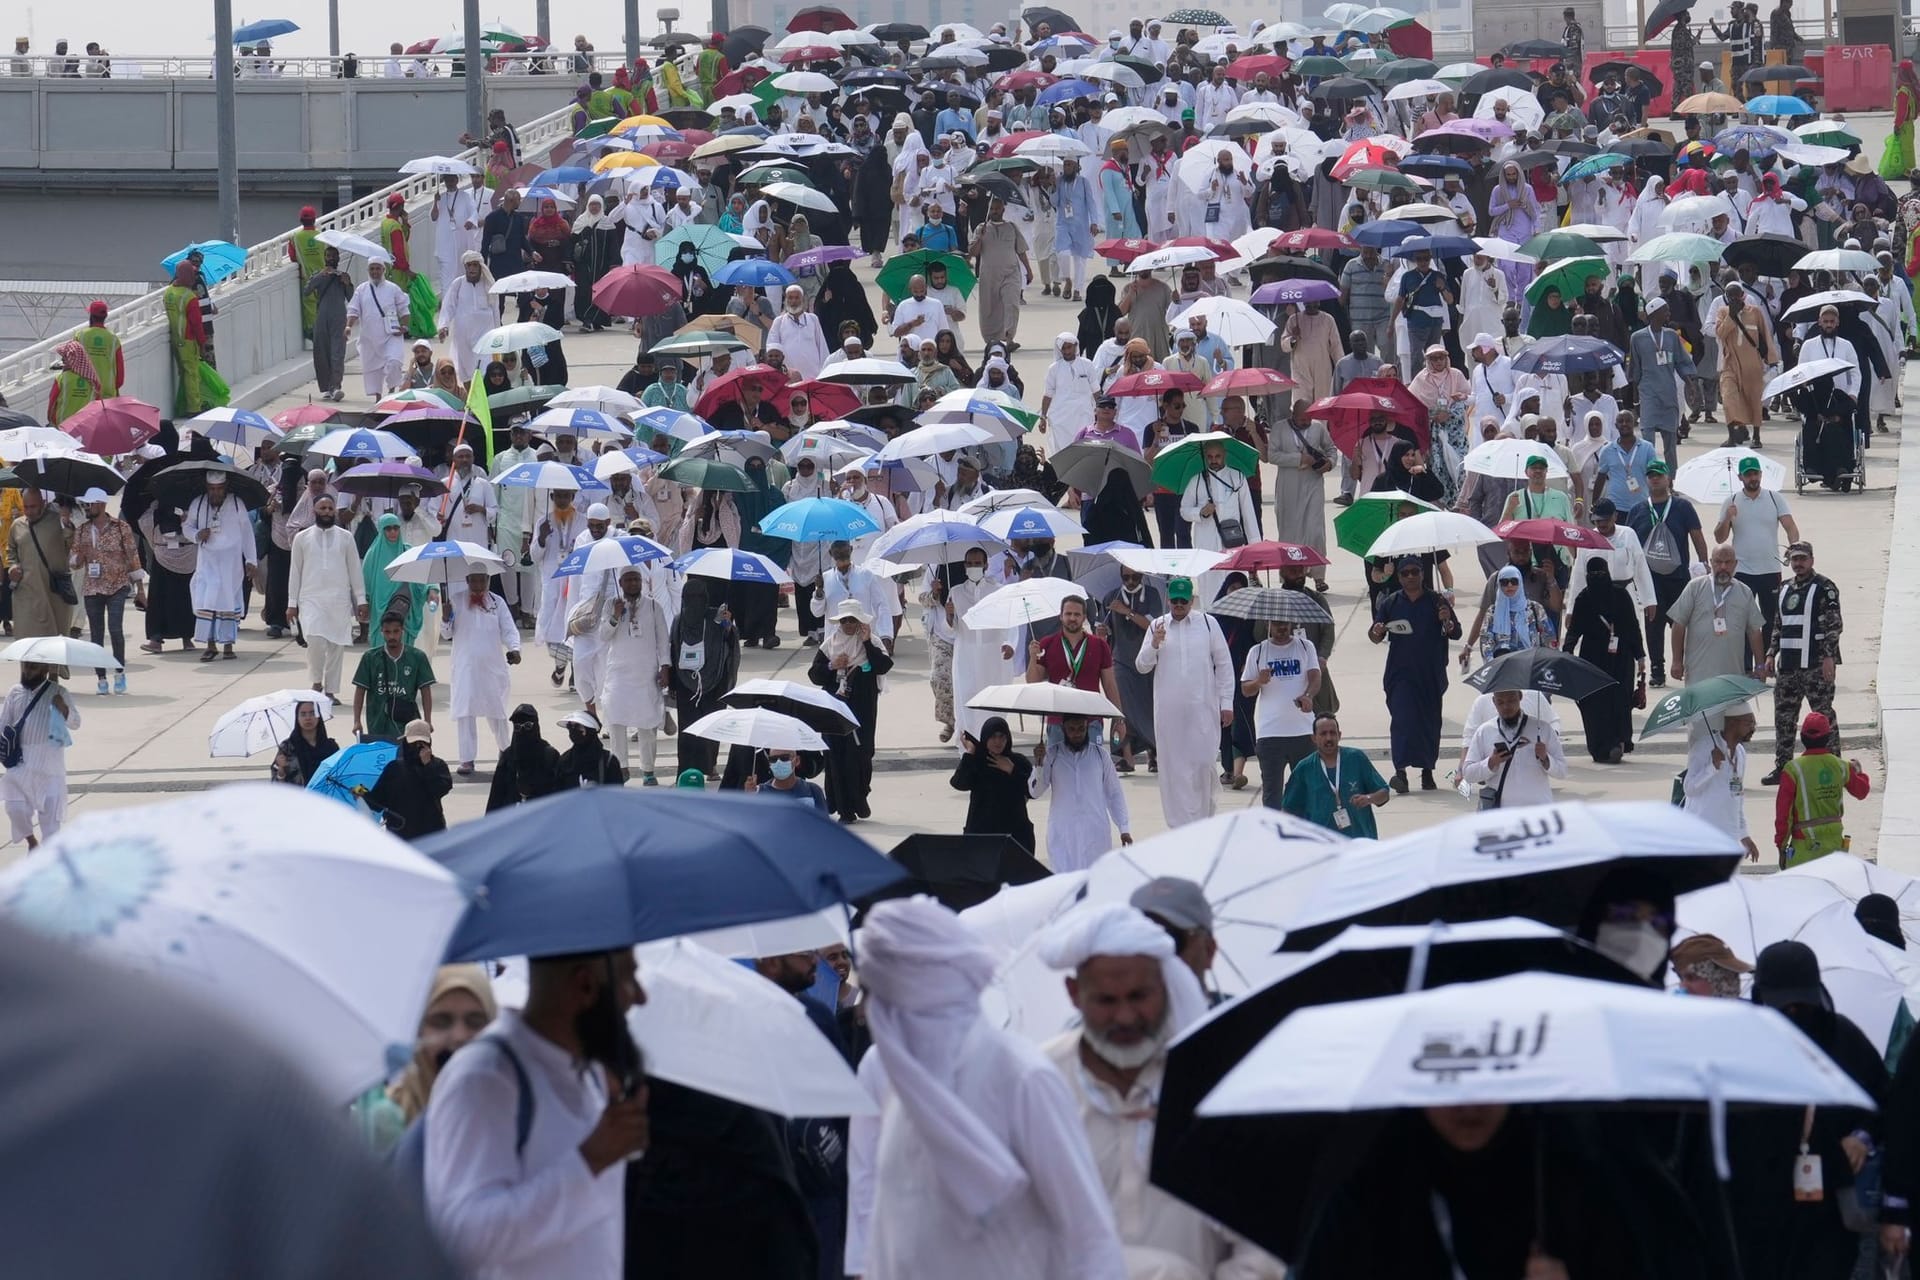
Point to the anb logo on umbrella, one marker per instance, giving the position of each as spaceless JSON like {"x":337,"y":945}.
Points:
{"x":1449,"y":1055}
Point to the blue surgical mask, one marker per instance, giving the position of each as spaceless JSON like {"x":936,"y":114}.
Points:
{"x":780,"y":769}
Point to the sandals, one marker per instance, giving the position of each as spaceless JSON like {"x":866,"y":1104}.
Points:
{"x":228,"y":653}
{"x":207,"y":655}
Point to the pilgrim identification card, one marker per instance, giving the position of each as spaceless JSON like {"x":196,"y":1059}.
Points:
{"x":1807,"y":1183}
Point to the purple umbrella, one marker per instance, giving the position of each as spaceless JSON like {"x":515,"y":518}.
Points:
{"x":386,"y":479}
{"x":1473,"y":127}
{"x":819,"y":258}
{"x":1295,"y":291}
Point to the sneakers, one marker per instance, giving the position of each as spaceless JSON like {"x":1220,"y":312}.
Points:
{"x":648,"y":780}
{"x":1398,"y":781}
{"x":100,"y":686}
{"x":119,"y":682}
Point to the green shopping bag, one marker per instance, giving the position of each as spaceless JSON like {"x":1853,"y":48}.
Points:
{"x":214,"y":391}
{"x":423,"y":307}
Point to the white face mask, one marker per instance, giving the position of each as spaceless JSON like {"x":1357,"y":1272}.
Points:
{"x":1639,"y":947}
{"x":976,"y":573}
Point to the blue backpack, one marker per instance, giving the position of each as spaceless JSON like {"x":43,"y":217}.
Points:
{"x":409,"y":1155}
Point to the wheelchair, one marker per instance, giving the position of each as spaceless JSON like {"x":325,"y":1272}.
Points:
{"x":1850,"y":481}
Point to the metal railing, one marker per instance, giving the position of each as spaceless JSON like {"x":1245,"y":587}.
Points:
{"x":147,"y":312}
{"x":366,"y":66}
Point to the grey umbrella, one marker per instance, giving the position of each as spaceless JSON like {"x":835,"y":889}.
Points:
{"x":1271,"y":604}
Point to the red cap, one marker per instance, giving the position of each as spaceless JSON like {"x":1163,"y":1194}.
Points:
{"x":500,"y":145}
{"x":308,"y":213}
{"x":394,"y":199}
{"x":97,"y":308}
{"x":1816,"y":727}
{"x":719,"y":38}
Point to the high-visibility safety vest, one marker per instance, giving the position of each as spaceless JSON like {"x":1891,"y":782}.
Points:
{"x":1819,"y":800}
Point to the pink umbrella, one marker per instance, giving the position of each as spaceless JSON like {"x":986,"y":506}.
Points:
{"x":637,"y":291}
{"x":119,"y":425}
{"x":1484,"y":130}
{"x":1153,"y":382}
{"x":304,"y":415}
{"x":1251,"y":381}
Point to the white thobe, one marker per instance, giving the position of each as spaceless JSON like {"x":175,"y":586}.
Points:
{"x":467,"y":311}
{"x":379,"y":314}
{"x":640,"y":214}
{"x":882,"y":513}
{"x":1232,"y":499}
{"x":482,"y":636}
{"x":1068,"y":395}
{"x":1626,"y":564}
{"x":1193,"y":686}
{"x":1818,"y":346}
{"x":801,"y":338}
{"x":977,"y":660}
{"x":1715,"y":792}
{"x":866,"y":586}
{"x":219,"y":576}
{"x":589,"y":653}
{"x":37,"y":786}
{"x":1488,"y":381}
{"x":473,"y":488}
{"x":634,"y":649}
{"x":1211,"y":104}
{"x":538,"y":1213}
{"x":1163,"y":194}
{"x":1527,"y":781}
{"x":902,"y":1223}
{"x":1483,"y":297}
{"x":1087,"y":803}
{"x":452,"y":211}
{"x":325,"y":584}
{"x":1536,"y":706}
{"x":510,"y":526}
{"x":550,"y":627}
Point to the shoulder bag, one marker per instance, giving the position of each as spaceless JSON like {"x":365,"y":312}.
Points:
{"x":11,"y":750}
{"x":1233,"y":533}
{"x":60,"y":583}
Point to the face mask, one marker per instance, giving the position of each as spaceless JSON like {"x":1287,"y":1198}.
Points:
{"x":1639,"y":947}
{"x":780,"y":769}
{"x":976,"y":573}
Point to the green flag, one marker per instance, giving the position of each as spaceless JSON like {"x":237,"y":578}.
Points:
{"x":480,"y":436}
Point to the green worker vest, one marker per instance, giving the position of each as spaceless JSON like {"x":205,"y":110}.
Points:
{"x":73,"y":393}
{"x":1819,"y":800}
{"x":101,"y":347}
{"x":309,"y":252}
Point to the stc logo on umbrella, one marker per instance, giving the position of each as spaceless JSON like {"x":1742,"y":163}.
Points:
{"x":1447,"y":1055}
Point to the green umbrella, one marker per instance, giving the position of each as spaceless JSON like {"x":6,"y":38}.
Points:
{"x":521,"y":396}
{"x":1358,"y":527}
{"x":1569,"y":276}
{"x":1405,"y":69}
{"x":1549,"y":246}
{"x":426,"y":395}
{"x":897,"y":271}
{"x":1383,"y":180}
{"x":1702,"y":699}
{"x":1319,"y":66}
{"x":1679,"y":246}
{"x":599,"y":128}
{"x":1175,"y":467}
{"x":700,"y":342}
{"x":713,"y":243}
{"x":705,"y":473}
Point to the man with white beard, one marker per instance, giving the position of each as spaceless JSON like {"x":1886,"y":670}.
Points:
{"x":797,"y":332}
{"x":1192,"y":701}
{"x":586,"y":597}
{"x":635,"y":642}
{"x":456,"y":216}
{"x":379,"y":307}
{"x":879,"y":508}
{"x":326,"y":594}
{"x":1088,"y":801}
{"x":978,"y":1164}
{"x":1135,"y":996}
{"x":485,"y":644}
{"x":467,"y":312}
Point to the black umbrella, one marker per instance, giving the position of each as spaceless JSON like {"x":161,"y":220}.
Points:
{"x":890,"y":418}
{"x":1528,"y":50}
{"x":995,"y":184}
{"x":1645,"y":148}
{"x":960,"y":871}
{"x":11,"y":418}
{"x":1620,"y":69}
{"x":959,"y":92}
{"x":1148,"y":71}
{"x":1665,"y":15}
{"x":891,"y":32}
{"x":1533,"y":159}
{"x":1239,"y":128}
{"x":179,"y":485}
{"x":937,"y":62}
{"x":1002,"y":57}
{"x":865,"y":78}
{"x":1225,"y":1167}
{"x":686,"y":117}
{"x":743,"y":42}
{"x":1343,"y":88}
{"x":1572,"y":148}
{"x":1786,"y":73}
{"x":69,"y":476}
{"x":1545,"y":670}
{"x":1485,"y":82}
{"x":1770,"y":255}
{"x":666,"y":38}
{"x":887,"y":99}
{"x":1058,"y":19}
{"x":1287,"y":266}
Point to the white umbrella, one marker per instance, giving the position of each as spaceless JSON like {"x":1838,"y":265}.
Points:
{"x":1532,"y":1038}
{"x":1255,"y":867}
{"x":1523,"y":109}
{"x":716,"y":1026}
{"x":1430,"y":531}
{"x":1002,"y":500}
{"x":931,"y":537}
{"x":826,"y":450}
{"x":925,"y":442}
{"x":804,"y":82}
{"x":1507,"y":459}
{"x":1204,"y":157}
{"x":1855,"y":878}
{"x":1552,"y":854}
{"x":1043,"y":700}
{"x":1176,"y":255}
{"x":234,"y":426}
{"x":391,"y":446}
{"x":605,"y":399}
{"x":550,"y":475}
{"x":1714,"y":476}
{"x":1804,"y":372}
{"x":1500,"y":250}
{"x":1020,"y":603}
{"x":1048,"y":521}
{"x":729,"y":565}
{"x":1813,"y":302}
{"x":1182,"y":562}
{"x":59,"y":651}
{"x":756,"y":727}
{"x":738,"y":101}
{"x":1053,"y":146}
{"x":1268,"y":113}
{"x":1417,"y":89}
{"x":441,"y":166}
{"x":1256,"y":243}
{"x":1425,"y":211}
{"x":291,"y":912}
{"x":1694,"y":212}
{"x":614,"y":554}
{"x":874,"y":370}
{"x":515,"y":337}
{"x":1597,"y":232}
{"x":960,"y":33}
{"x":616,"y":462}
{"x":1011,"y":918}
{"x":263,"y":721}
{"x":1807,"y":153}
{"x":811,"y":932}
{"x":438,"y":563}
{"x":1117,"y":73}
{"x":1838,"y":260}
{"x":347,"y":242}
{"x":735,"y":447}
{"x":1231,"y":320}
{"x":528,"y":281}
{"x":23,"y":442}
{"x":809,"y":695}
{"x":805,"y":197}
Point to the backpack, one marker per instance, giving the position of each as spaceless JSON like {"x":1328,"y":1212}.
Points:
{"x":409,"y":1155}
{"x":1663,"y":552}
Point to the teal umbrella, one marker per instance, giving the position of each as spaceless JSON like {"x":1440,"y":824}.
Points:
{"x":1702,"y":699}
{"x":713,"y":243}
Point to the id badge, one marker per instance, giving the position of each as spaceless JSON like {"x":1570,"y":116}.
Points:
{"x":1613,"y":644}
{"x":1213,"y":211}
{"x":1633,"y":484}
{"x":1807,"y":1183}
{"x":1066,"y":210}
{"x":1663,"y":358}
{"x":93,"y":569}
{"x":1342,"y":819}
{"x":1719,"y":626}
{"x":1737,"y":785}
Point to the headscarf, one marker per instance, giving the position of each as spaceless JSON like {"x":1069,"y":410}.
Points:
{"x":1114,"y":929}
{"x":1879,"y":914}
{"x":549,"y":226}
{"x":381,"y":588}
{"x":74,"y":359}
{"x":446,"y":377}
{"x":1510,"y":613}
{"x":759,"y":218}
{"x":411,"y":1093}
{"x":1097,"y":316}
{"x":593,"y":218}
{"x":923,"y":971}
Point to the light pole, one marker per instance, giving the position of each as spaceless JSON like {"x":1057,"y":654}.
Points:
{"x":473,"y":64}
{"x":227,"y":143}
{"x":543,"y":21}
{"x":333,"y":28}
{"x":633,"y":30}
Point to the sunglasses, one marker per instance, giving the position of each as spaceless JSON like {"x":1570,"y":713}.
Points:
{"x":1409,"y":573}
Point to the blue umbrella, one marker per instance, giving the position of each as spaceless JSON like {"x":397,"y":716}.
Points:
{"x":607,"y":867}
{"x":817,"y":520}
{"x":549,"y":475}
{"x":1569,"y":354}
{"x":1438,"y":166}
{"x":1067,"y":89}
{"x":577,"y":422}
{"x":537,"y":194}
{"x":677,"y":423}
{"x":1594,"y":166}
{"x":265,"y":29}
{"x":1760,"y":139}
{"x":235,"y":426}
{"x":1438,"y":246}
{"x":757,"y":272}
{"x":756,"y":130}
{"x":363,"y":444}
{"x":609,"y":554}
{"x":732,"y":566}
{"x":219,"y":259}
{"x":1029,"y":522}
{"x":1385,"y":232}
{"x":568,"y":173}
{"x":353,"y":768}
{"x":1778,"y":104}
{"x":641,"y":456}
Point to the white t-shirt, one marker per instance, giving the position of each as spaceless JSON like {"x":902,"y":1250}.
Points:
{"x":1756,"y":530}
{"x":1274,"y":712}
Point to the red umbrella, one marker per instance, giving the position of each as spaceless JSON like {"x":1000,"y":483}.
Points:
{"x":1124,"y":251}
{"x":1349,"y":414}
{"x":810,"y":53}
{"x":1220,"y":249}
{"x":1412,"y":412}
{"x":1363,"y":155}
{"x":1251,"y":381}
{"x":1004,"y":147}
{"x":822,"y":18}
{"x":739,"y":81}
{"x":637,"y":291}
{"x":423,"y":46}
{"x":1273,"y":555}
{"x":827,"y":399}
{"x":669,"y":150}
{"x":1540,"y":529}
{"x":1253,"y":64}
{"x":725,"y":389}
{"x":304,"y":415}
{"x":119,"y":425}
{"x":1014,"y":81}
{"x":1312,"y":238}
{"x":695,"y":137}
{"x":1153,"y":382}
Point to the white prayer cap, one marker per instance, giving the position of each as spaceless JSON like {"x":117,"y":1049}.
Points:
{"x":599,"y":511}
{"x":1656,"y":304}
{"x":381,"y":259}
{"x":473,"y":255}
{"x":1485,"y":342}
{"x":1115,"y":929}
{"x":458,"y":449}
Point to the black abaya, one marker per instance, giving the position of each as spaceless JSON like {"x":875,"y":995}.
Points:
{"x":1602,"y":613}
{"x":842,"y":299}
{"x":697,"y":692}
{"x":850,"y":755}
{"x":873,"y":200}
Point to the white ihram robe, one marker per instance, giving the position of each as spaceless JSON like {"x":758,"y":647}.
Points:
{"x":976,"y":655}
{"x":1087,"y":803}
{"x":1192,"y":684}
{"x":219,"y":577}
{"x":379,"y":313}
{"x":550,"y":626}
{"x":482,"y":636}
{"x":635,"y":648}
{"x":466,"y":313}
{"x":589,"y":652}
{"x":455,"y":209}
{"x":37,"y":786}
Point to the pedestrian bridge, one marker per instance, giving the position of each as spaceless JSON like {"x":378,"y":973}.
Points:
{"x":257,"y":331}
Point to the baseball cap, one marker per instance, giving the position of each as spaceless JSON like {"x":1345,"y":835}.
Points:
{"x":1173,"y":901}
{"x":1801,"y":548}
{"x":96,"y":308}
{"x":1658,"y":468}
{"x":418,"y":731}
{"x":1180,"y":588}
{"x":1816,"y":727}
{"x":1535,"y":460}
{"x":1748,"y":464}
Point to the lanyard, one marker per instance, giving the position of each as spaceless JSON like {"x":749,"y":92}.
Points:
{"x":1333,"y":779}
{"x":1720,"y":599}
{"x":1660,"y":514}
{"x":1074,"y":657}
